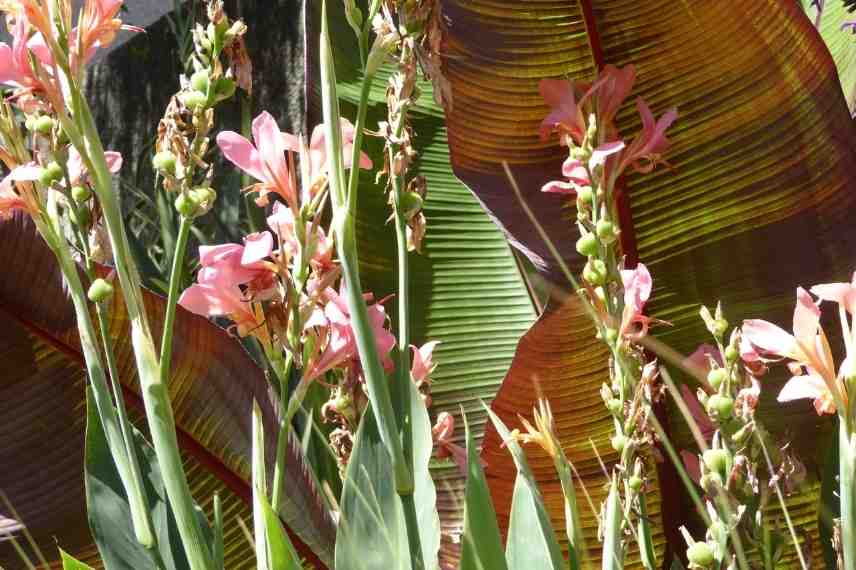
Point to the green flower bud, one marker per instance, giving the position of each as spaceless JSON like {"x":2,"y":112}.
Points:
{"x":720,"y":327}
{"x":615,"y":406}
{"x":619,"y":442}
{"x":81,"y":193}
{"x":99,"y":291}
{"x":716,"y":377}
{"x":186,"y":205}
{"x":635,"y":483}
{"x":716,"y":460}
{"x":605,"y":230}
{"x":595,"y":272}
{"x":731,"y":353}
{"x":194,"y":100}
{"x":81,"y":217}
{"x":587,"y":245}
{"x":30,"y":123}
{"x":411,"y":203}
{"x":200,"y":81}
{"x":225,"y":88}
{"x":700,"y":554}
{"x":610,"y":336}
{"x":43,"y":125}
{"x":720,"y":407}
{"x":164,"y":162}
{"x":585,"y":195}
{"x":50,"y":173}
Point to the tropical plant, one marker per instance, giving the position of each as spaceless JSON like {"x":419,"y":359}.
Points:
{"x":332,"y":434}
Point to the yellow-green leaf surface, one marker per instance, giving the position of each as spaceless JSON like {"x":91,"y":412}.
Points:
{"x":466,"y":290}
{"x":840,"y":41}
{"x":42,"y":403}
{"x":760,"y":199}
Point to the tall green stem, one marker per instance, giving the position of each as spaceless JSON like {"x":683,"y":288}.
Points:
{"x":95,"y":368}
{"x":282,"y":369}
{"x":155,"y":395}
{"x":847,"y":469}
{"x":172,"y":299}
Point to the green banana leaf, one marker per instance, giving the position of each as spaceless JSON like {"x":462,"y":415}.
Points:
{"x":841,"y":42}
{"x":760,"y":199}
{"x":42,"y":403}
{"x":466,"y":289}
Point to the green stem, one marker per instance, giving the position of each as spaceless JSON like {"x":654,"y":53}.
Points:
{"x":847,"y":466}
{"x":175,"y":277}
{"x":573,"y":526}
{"x":101,"y":392}
{"x":344,"y":227}
{"x":155,"y":395}
{"x":613,"y":545}
{"x":282,"y":369}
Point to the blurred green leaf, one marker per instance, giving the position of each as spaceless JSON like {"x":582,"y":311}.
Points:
{"x":71,"y":563}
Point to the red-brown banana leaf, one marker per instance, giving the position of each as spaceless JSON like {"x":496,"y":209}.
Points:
{"x":42,"y":406}
{"x":760,"y":199}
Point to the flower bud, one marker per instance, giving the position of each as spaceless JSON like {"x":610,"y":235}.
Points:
{"x":164,"y":162}
{"x":186,"y":205}
{"x":700,"y":555}
{"x":720,"y":327}
{"x":585,"y":195}
{"x":99,"y":291}
{"x":50,"y":173}
{"x":225,"y":88}
{"x":610,"y":335}
{"x":81,"y":193}
{"x":731,"y":354}
{"x":716,"y":460}
{"x":43,"y":125}
{"x":200,"y":81}
{"x":30,"y":123}
{"x":716,"y":377}
{"x":635,"y":483}
{"x":194,"y":100}
{"x":595,"y":272}
{"x":720,"y":407}
{"x":587,"y":245}
{"x":605,"y":231}
{"x":80,"y":217}
{"x":618,"y":442}
{"x":615,"y":406}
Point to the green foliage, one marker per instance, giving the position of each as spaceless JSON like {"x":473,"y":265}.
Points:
{"x":71,"y":563}
{"x":109,"y":512}
{"x":482,"y":545}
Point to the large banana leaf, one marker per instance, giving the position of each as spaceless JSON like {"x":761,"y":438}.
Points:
{"x":840,"y":41}
{"x":466,"y":290}
{"x":761,"y":197}
{"x":213,"y":386}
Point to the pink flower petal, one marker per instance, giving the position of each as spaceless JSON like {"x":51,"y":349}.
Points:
{"x":799,"y":387}
{"x":601,"y":153}
{"x":806,"y":317}
{"x":240,"y":152}
{"x":769,"y":338}
{"x":559,"y":187}
{"x":257,"y":246}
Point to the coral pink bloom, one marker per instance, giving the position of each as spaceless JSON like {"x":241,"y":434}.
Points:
{"x":320,"y":246}
{"x":234,"y":264}
{"x":423,"y":364}
{"x":576,"y":172}
{"x":10,"y":200}
{"x":443,"y":430}
{"x":318,"y":149}
{"x":566,"y":115}
{"x":842,"y":293}
{"x":341,"y":347}
{"x":637,"y":290}
{"x":265,"y":161}
{"x":216,"y":298}
{"x":77,"y":170}
{"x":15,"y":68}
{"x":612,"y":86}
{"x":811,"y":386}
{"x":645,"y":152}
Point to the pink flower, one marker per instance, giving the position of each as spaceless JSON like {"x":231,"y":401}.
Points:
{"x":613,"y":86}
{"x":266,"y":161}
{"x":705,"y":426}
{"x":808,"y":347}
{"x":15,"y":68}
{"x":423,"y":364}
{"x":341,"y":346}
{"x":77,"y":170}
{"x":318,"y":152}
{"x":213,"y":297}
{"x":637,"y":290}
{"x":443,"y":430}
{"x":842,"y":293}
{"x":10,"y":199}
{"x":235,"y":264}
{"x":319,"y":246}
{"x":646,"y":150}
{"x":576,"y":171}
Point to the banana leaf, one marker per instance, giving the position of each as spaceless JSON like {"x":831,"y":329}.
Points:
{"x":43,"y":409}
{"x":760,"y":198}
{"x":466,"y":289}
{"x":841,"y":41}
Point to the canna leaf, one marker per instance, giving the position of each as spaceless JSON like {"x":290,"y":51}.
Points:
{"x":531,"y":538}
{"x":481,"y":543}
{"x":840,"y":41}
{"x":70,"y":563}
{"x":282,"y":553}
{"x":213,"y":385}
{"x":425,"y":493}
{"x":758,"y":200}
